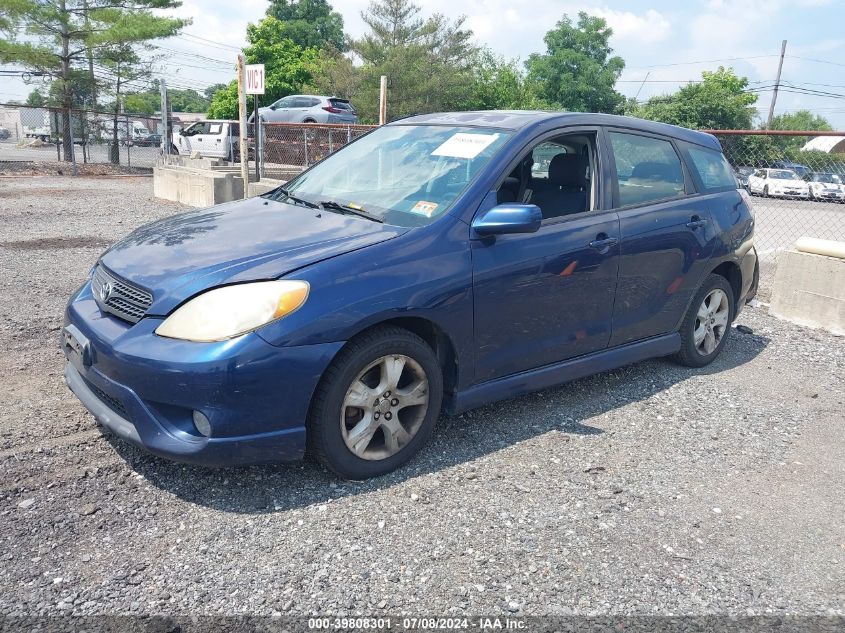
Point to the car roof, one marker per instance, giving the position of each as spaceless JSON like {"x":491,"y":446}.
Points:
{"x":521,"y":119}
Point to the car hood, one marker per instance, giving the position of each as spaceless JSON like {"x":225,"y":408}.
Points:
{"x":783,"y":182}
{"x":247,"y":240}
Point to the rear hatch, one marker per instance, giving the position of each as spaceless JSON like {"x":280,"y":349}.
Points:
{"x":340,"y":110}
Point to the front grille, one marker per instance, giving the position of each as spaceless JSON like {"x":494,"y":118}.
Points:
{"x":112,"y":403}
{"x":119,"y":297}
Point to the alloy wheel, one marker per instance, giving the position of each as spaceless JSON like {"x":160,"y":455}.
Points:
{"x":711,"y":321}
{"x":384,"y":407}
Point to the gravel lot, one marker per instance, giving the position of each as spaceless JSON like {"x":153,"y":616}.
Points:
{"x":653,"y":489}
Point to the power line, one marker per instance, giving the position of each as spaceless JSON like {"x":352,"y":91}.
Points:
{"x":818,"y":61}
{"x":209,"y":42}
{"x":703,"y":61}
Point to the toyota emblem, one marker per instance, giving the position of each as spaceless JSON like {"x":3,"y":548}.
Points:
{"x":105,"y":292}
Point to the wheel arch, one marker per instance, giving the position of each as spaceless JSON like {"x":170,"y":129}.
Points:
{"x":731,"y":271}
{"x":435,"y":337}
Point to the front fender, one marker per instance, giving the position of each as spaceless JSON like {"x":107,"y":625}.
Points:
{"x":425,"y":274}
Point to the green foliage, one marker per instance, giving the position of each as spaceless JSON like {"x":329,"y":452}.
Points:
{"x":286,"y":67}
{"x":578,"y":70}
{"x":799,"y":120}
{"x":142,"y":102}
{"x":309,"y":23}
{"x":208,"y":93}
{"x":334,"y":74}
{"x":58,"y":37}
{"x":224,"y":103}
{"x":428,"y":61}
{"x":719,"y":102}
{"x":498,"y":84}
{"x":149,"y":102}
{"x":36,"y":99}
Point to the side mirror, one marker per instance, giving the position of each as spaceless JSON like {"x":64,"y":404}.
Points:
{"x":273,"y":106}
{"x":508,"y":218}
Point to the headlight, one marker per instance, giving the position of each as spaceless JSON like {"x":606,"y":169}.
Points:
{"x":227,"y":312}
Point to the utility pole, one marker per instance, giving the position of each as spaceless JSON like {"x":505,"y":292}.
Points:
{"x":777,"y":85}
{"x":165,"y":120}
{"x":242,"y":117}
{"x":382,"y":101}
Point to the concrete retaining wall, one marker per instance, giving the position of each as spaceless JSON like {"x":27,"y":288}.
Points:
{"x":810,"y":290}
{"x":202,"y":182}
{"x":196,"y":187}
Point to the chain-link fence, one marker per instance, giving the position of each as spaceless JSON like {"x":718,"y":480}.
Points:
{"x":796,"y":184}
{"x":34,"y":139}
{"x":795,"y":178}
{"x":288,"y":148}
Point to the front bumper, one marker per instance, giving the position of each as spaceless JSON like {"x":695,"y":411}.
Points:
{"x":144,"y":388}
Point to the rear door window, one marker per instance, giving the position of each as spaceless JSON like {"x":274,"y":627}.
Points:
{"x":647,"y":169}
{"x":713,"y":171}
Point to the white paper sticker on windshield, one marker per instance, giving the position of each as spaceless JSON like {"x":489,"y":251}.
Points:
{"x":462,"y":145}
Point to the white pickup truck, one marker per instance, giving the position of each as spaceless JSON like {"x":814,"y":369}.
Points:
{"x":212,"y":139}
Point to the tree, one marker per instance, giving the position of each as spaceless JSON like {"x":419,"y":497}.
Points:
{"x":719,"y":101}
{"x":498,"y":84}
{"x":208,"y":93}
{"x":142,"y":102}
{"x":798,"y":120}
{"x":333,"y":73}
{"x":124,"y":65}
{"x":286,"y":67}
{"x":578,"y":71}
{"x":309,"y":23}
{"x":428,"y":62}
{"x":36,"y":99}
{"x":60,"y":33}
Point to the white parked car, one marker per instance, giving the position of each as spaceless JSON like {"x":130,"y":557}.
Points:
{"x":783,"y":183}
{"x":826,"y":186}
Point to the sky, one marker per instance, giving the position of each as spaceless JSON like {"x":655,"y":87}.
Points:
{"x":664,"y":43}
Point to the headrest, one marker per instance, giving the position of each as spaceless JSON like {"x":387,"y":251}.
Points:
{"x":666,"y":172}
{"x":567,"y":170}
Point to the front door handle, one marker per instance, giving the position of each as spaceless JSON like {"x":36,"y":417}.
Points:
{"x":603,"y":242}
{"x":696,"y":222}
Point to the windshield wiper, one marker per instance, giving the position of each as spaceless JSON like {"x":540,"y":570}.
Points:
{"x":287,"y":194}
{"x":331,"y":205}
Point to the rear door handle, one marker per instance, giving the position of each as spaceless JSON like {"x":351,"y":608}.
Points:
{"x":603,"y":242}
{"x":696,"y":222}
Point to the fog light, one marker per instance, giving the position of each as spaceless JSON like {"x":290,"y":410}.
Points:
{"x":202,"y":423}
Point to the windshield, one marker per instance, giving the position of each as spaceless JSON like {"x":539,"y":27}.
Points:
{"x":783,"y":174}
{"x":829,"y":178}
{"x":406,"y":175}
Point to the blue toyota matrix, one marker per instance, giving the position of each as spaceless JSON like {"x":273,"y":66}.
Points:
{"x":437,"y":263}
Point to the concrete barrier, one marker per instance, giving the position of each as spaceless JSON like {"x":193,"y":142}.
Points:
{"x":203,"y":182}
{"x":809,"y":289}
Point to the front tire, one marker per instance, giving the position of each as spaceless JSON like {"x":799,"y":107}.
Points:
{"x":376,"y":405}
{"x":707,"y":323}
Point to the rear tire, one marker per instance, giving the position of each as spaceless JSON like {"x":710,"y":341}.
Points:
{"x":707,"y":324}
{"x":376,"y":404}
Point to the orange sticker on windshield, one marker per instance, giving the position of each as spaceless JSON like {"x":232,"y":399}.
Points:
{"x":424,"y":208}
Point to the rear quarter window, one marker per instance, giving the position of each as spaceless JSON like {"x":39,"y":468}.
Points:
{"x":647,"y":169}
{"x":713,"y":171}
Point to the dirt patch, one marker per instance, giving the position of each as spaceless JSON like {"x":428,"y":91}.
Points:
{"x":43,"y":243}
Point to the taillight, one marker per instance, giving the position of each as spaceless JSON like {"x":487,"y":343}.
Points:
{"x":332,"y":109}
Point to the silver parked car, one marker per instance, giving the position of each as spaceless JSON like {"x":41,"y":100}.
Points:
{"x":308,"y":109}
